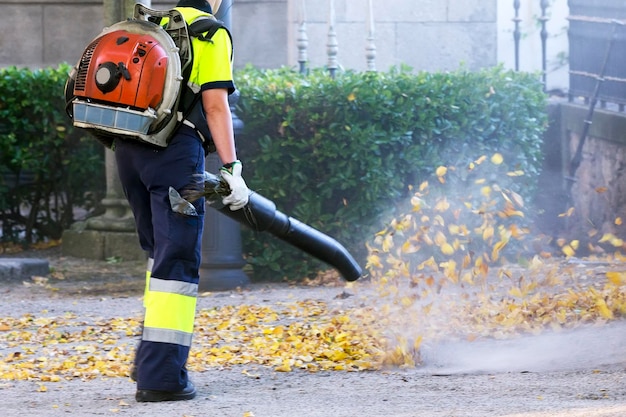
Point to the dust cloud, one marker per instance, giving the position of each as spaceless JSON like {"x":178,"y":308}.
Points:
{"x":584,"y":347}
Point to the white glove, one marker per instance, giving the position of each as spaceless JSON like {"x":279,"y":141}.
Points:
{"x":239,"y":192}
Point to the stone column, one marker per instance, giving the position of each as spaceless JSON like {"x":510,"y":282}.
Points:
{"x":112,"y":234}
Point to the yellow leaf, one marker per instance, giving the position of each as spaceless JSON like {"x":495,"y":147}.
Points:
{"x":407,"y":301}
{"x":568,"y":213}
{"x":467,"y":277}
{"x":568,"y":251}
{"x":409,"y":247}
{"x":442,"y":205}
{"x":616,"y":278}
{"x":497,"y":159}
{"x":387,"y":243}
{"x":351,"y":97}
{"x":482,"y":267}
{"x":603,"y":309}
{"x":510,"y":211}
{"x":417,"y":343}
{"x":467,"y":260}
{"x":285,"y":367}
{"x":606,"y":237}
{"x":416,"y":203}
{"x":488,"y":233}
{"x":440,"y":238}
{"x":374,"y":261}
{"x":447,"y":249}
{"x":495,"y":253}
{"x":441,"y":171}
{"x":618,"y":221}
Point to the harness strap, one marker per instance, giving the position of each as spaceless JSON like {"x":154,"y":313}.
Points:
{"x":204,"y":28}
{"x":190,"y":109}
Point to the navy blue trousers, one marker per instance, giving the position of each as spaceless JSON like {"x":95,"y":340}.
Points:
{"x":171,"y":239}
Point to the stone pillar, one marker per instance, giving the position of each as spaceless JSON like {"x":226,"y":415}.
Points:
{"x":112,"y":234}
{"x":222,"y":261}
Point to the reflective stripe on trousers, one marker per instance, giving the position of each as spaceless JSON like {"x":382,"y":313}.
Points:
{"x":163,"y":297}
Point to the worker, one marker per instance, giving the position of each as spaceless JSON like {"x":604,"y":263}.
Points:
{"x":171,"y":240}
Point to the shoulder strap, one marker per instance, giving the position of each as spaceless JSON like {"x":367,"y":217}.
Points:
{"x":205,"y":27}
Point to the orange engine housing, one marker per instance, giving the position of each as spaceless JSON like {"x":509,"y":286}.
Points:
{"x":123,"y":68}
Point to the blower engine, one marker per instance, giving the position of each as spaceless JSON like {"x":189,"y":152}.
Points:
{"x":128,"y":80}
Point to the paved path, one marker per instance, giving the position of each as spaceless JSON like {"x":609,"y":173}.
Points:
{"x":578,"y":374}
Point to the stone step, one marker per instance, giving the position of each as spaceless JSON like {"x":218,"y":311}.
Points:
{"x":19,"y":269}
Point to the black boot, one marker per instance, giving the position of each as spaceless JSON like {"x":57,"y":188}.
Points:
{"x":150,"y":396}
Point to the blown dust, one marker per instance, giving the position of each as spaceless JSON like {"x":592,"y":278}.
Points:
{"x":577,"y":373}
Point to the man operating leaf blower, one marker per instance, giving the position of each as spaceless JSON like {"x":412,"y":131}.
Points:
{"x":155,"y":90}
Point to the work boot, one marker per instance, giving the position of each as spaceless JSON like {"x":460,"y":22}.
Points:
{"x":151,"y":396}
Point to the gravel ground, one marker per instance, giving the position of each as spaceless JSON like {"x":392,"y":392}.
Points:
{"x":581,"y":373}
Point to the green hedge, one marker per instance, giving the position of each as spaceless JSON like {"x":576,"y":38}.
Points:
{"x":48,"y":169}
{"x":339,"y":154}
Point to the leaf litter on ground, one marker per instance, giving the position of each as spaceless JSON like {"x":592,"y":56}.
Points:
{"x":455,"y":266}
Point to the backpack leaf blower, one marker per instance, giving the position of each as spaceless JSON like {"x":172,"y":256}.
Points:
{"x":260,"y":214}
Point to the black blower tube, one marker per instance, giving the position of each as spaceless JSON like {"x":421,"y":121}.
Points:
{"x":260,"y":214}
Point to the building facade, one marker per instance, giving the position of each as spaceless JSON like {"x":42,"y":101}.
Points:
{"x":424,"y":34}
{"x":429,"y":35}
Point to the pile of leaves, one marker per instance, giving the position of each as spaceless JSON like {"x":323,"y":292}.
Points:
{"x":49,"y":349}
{"x":303,"y":334}
{"x":464,"y":263}
{"x":461,"y":263}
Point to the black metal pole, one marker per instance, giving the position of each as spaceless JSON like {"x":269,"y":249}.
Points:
{"x":222,"y":260}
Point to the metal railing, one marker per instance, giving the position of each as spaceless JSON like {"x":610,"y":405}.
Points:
{"x":597,"y":50}
{"x":332,"y":45}
{"x":517,"y":36}
{"x":597,"y":47}
{"x":597,"y":60}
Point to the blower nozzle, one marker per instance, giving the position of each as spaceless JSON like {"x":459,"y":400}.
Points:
{"x":260,"y":214}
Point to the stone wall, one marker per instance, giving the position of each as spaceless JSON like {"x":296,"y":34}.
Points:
{"x":425,"y":34}
{"x":599,"y":186}
{"x":46,"y":33}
